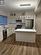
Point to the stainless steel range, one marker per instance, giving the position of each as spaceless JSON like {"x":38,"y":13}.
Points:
{"x":18,"y":24}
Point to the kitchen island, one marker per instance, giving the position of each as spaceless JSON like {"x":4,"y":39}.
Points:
{"x":25,"y":35}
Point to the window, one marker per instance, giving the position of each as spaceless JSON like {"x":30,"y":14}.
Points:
{"x":3,"y":20}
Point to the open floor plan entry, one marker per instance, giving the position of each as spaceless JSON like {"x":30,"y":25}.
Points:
{"x":20,"y":27}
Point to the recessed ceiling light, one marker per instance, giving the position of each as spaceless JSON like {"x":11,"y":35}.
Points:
{"x":2,"y":2}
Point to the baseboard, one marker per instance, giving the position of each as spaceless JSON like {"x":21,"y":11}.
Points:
{"x":38,"y":34}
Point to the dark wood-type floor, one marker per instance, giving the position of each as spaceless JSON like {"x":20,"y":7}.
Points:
{"x":11,"y":47}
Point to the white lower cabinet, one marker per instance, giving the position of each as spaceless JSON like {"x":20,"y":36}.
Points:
{"x":10,"y":31}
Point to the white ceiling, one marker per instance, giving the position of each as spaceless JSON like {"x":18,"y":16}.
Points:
{"x":39,"y":7}
{"x":14,"y":5}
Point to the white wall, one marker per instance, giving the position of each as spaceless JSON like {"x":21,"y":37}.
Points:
{"x":3,"y":13}
{"x":38,"y":23}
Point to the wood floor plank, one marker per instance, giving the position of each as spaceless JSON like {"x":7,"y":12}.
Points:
{"x":15,"y":50}
{"x":20,"y":51}
{"x":35,"y":51}
{"x":39,"y":49}
{"x":7,"y":51}
{"x":9,"y":47}
{"x":29,"y":51}
{"x":3,"y":50}
{"x":24,"y":50}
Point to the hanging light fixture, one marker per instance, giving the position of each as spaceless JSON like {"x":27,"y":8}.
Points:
{"x":25,"y":4}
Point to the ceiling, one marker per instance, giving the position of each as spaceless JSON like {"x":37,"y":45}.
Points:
{"x":14,"y":5}
{"x":39,"y":7}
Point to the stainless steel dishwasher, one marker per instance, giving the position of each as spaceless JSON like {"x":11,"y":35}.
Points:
{"x":4,"y":34}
